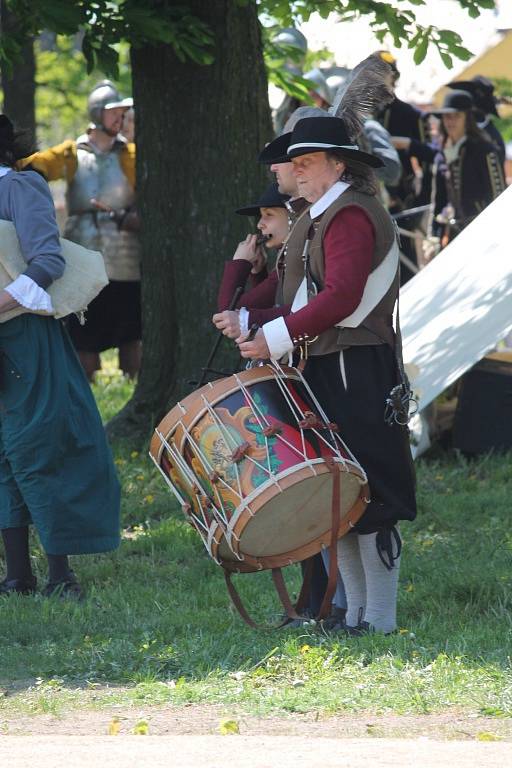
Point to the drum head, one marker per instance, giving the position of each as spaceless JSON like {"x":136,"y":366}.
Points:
{"x":297,"y":520}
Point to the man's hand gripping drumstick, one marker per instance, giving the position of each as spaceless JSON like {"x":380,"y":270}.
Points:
{"x":253,"y":346}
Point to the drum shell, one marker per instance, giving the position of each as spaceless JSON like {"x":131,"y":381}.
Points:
{"x":222,"y":407}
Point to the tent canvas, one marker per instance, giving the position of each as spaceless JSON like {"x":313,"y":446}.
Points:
{"x":456,"y":309}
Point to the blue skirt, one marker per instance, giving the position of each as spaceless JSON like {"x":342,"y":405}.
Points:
{"x":56,"y":468}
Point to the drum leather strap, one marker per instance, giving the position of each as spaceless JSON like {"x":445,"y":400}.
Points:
{"x":281,"y":590}
{"x":332,"y":577}
{"x":277,"y":576}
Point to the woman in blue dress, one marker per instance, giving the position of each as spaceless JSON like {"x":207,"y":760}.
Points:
{"x":56,"y":469}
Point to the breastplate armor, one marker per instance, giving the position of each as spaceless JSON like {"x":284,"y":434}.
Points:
{"x":100,"y":176}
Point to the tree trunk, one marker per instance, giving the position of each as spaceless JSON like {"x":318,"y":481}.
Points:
{"x":198,"y":132}
{"x":19,"y":83}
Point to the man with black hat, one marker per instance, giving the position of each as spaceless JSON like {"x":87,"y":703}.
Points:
{"x":482,"y":91}
{"x":345,"y":330}
{"x":99,"y":168}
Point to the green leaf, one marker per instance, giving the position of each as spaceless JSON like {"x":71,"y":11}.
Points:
{"x":446,"y":58}
{"x":421,"y":50}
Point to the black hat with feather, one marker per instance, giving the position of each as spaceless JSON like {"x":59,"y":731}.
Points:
{"x":366,"y":90}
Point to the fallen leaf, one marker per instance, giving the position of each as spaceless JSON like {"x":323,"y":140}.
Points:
{"x":114,"y":727}
{"x":227,"y":727}
{"x":487,"y":736}
{"x":141,"y":728}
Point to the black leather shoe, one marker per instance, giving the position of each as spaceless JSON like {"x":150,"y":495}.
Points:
{"x":306,"y":619}
{"x":67,"y":588}
{"x":335,"y":620}
{"x":18,"y":586}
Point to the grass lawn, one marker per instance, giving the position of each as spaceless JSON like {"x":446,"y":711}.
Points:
{"x":158,"y":627}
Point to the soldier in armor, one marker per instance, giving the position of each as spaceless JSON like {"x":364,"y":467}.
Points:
{"x":293,"y":39}
{"x":99,"y":168}
{"x":320,"y":91}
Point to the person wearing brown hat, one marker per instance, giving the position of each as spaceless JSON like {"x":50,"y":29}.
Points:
{"x":341,"y":277}
{"x":469,"y":174}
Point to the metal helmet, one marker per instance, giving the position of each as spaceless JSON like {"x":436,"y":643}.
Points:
{"x":104,"y":95}
{"x":319,"y":84}
{"x":293,"y":38}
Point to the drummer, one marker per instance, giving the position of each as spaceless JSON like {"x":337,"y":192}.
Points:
{"x":347,"y":336}
{"x":274,"y":155}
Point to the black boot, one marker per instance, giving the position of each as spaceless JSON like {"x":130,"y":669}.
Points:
{"x":62,"y":581}
{"x":19,"y":586}
{"x":65,"y":588}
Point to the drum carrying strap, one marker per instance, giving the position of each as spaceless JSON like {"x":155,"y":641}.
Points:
{"x":293,"y":612}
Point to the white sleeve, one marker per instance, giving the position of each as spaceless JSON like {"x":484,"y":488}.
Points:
{"x":277,"y":338}
{"x":29,"y":294}
{"x":243,"y":319}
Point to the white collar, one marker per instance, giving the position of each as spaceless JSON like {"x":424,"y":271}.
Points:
{"x":327,"y":199}
{"x":451,"y":151}
{"x":4,"y":169}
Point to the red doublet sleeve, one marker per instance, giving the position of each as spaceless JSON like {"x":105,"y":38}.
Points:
{"x":261,"y":316}
{"x":236,"y":273}
{"x":348,"y":245}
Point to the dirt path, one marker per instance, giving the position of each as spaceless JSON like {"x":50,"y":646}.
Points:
{"x":205,"y":720}
{"x":246,"y":752}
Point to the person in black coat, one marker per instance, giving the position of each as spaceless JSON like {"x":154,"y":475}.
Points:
{"x":482,"y":91}
{"x":469,"y":173}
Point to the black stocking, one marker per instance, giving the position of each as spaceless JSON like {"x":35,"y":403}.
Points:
{"x":16,"y":553}
{"x":58,"y":568}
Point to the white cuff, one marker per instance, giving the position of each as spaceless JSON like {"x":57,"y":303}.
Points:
{"x":243,"y":319}
{"x":29,"y":294}
{"x":277,"y":338}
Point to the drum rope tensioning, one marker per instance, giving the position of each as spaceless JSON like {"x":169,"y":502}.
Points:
{"x":262,"y":475}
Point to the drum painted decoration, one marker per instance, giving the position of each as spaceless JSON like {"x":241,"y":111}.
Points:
{"x":246,"y":457}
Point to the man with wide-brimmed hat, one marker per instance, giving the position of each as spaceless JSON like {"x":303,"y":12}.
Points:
{"x":341,"y":278}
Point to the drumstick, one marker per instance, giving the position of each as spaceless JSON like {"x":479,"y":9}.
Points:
{"x":232,"y":304}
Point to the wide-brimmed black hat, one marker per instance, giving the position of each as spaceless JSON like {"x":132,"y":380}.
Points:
{"x":482,"y":91}
{"x":319,"y":134}
{"x":275,"y":151}
{"x":455,"y":101}
{"x":271,"y":198}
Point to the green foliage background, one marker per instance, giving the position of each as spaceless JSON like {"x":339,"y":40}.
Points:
{"x":63,"y":86}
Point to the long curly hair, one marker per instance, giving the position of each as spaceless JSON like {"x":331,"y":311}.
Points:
{"x":15,"y":143}
{"x":359,"y":175}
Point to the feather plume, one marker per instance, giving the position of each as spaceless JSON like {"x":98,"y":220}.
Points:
{"x":365,"y":91}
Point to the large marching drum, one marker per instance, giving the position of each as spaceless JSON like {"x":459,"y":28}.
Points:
{"x":255,"y":464}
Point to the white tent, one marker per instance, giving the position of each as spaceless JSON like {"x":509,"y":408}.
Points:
{"x":456,"y":309}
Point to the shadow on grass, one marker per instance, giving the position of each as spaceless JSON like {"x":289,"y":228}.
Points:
{"x":158,"y":620}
